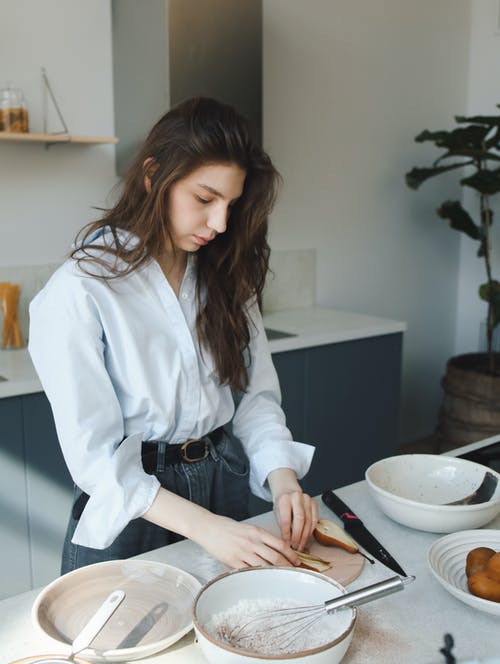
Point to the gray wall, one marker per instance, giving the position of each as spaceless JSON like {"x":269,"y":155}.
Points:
{"x":347,"y":87}
{"x":165,"y":51}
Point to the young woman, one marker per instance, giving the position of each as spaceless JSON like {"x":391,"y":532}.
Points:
{"x":150,"y":346}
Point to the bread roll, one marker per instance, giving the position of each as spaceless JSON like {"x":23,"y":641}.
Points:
{"x":482,"y":585}
{"x":493,"y":567}
{"x":477,"y":558}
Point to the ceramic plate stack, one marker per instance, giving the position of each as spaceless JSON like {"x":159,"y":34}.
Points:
{"x":446,"y":559}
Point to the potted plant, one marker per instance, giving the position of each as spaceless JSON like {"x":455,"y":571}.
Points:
{"x":471,"y":404}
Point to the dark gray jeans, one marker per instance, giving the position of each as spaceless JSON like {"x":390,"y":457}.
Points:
{"x":219,"y":483}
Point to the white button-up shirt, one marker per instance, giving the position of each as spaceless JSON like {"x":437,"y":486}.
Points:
{"x":120,"y":361}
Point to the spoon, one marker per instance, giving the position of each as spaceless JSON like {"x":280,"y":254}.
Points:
{"x":90,"y":631}
{"x":483,"y":492}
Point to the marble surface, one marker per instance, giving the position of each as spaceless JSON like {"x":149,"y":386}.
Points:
{"x":312,"y":326}
{"x":317,"y":326}
{"x":405,"y":627}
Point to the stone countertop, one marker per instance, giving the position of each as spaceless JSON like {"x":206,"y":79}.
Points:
{"x":405,"y":627}
{"x":317,"y":326}
{"x":310,"y":326}
{"x":17,"y":368}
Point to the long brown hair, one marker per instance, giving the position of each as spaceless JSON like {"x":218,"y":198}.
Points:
{"x":232,"y":269}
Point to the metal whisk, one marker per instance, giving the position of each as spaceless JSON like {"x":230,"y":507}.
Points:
{"x":287,"y":624}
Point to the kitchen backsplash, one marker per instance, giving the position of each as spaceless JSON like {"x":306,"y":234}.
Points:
{"x":291,"y":284}
{"x":31,"y":278}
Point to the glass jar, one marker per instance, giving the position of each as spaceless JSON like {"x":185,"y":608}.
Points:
{"x":13,"y":111}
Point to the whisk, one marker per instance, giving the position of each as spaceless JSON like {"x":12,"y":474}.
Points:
{"x":287,"y":624}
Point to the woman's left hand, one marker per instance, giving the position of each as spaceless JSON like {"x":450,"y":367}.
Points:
{"x":296,"y":512}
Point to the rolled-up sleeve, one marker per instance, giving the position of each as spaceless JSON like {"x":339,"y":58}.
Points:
{"x":259,"y":421}
{"x":67,"y":346}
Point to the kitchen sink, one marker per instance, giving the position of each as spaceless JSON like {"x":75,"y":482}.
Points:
{"x":277,"y":334}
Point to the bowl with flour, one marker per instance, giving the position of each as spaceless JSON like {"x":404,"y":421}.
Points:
{"x":253,"y":598}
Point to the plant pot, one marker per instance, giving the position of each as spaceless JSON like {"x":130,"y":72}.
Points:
{"x":470,"y":409}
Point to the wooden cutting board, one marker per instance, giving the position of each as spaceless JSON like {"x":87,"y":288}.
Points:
{"x":345,"y":566}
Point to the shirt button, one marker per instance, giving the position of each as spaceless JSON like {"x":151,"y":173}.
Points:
{"x":184,"y":296}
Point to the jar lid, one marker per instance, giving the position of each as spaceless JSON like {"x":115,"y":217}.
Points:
{"x":11,"y":95}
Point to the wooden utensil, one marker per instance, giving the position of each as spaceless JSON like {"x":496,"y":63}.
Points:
{"x":9,"y":304}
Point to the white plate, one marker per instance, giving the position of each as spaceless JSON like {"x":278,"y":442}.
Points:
{"x":446,"y":559}
{"x":156,"y":611}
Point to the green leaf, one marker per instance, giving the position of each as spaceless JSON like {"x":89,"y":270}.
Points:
{"x":490,"y":292}
{"x":458,"y":141}
{"x":485,"y":181}
{"x":490,"y":120}
{"x":435,"y":136}
{"x":459,"y":219}
{"x":418,"y":176}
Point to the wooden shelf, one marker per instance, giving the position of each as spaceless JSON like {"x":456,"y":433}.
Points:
{"x":55,"y":138}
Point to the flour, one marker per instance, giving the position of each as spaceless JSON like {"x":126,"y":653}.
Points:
{"x":272,"y":634}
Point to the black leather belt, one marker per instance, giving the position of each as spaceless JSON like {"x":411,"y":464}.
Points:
{"x":158,"y":454}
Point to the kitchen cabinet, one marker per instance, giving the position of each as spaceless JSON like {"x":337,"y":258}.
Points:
{"x":14,"y":550}
{"x":352,"y":409}
{"x":344,"y":399}
{"x":49,"y":488}
{"x":35,"y":494}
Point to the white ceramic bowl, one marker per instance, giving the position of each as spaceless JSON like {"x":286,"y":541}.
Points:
{"x":270,"y":583}
{"x":447,"y":557}
{"x":412,"y":490}
{"x":156,"y":611}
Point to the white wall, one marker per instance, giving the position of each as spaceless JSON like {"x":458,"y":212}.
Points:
{"x":348,"y":85}
{"x":47,"y":195}
{"x":483,"y":96}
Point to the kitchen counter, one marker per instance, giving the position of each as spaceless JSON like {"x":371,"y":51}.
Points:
{"x":311,"y":326}
{"x":405,"y":627}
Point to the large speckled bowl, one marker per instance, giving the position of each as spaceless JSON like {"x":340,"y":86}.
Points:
{"x":156,"y":611}
{"x":412,"y":489}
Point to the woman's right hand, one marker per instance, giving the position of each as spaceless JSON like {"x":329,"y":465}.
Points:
{"x":234,"y":543}
{"x":243,"y":545}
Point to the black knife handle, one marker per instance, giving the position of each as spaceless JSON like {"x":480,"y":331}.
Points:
{"x":337,"y":506}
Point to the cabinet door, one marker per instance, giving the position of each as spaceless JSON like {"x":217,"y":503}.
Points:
{"x":352,"y":408}
{"x":50,"y":489}
{"x":290,"y":367}
{"x":15,"y":572}
{"x":291,"y":370}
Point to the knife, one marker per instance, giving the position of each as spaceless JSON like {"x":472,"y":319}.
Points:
{"x":358,"y":531}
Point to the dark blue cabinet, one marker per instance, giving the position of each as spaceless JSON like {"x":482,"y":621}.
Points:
{"x":15,"y":564}
{"x":50,"y":488}
{"x":344,"y":399}
{"x":352,"y":393}
{"x":35,"y":494}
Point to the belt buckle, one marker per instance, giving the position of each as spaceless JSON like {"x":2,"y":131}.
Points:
{"x":184,"y":448}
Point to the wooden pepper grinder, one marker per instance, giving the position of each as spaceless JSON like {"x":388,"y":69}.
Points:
{"x":9,"y":305}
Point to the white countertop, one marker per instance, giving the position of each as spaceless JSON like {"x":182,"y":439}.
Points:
{"x":313,"y":326}
{"x":317,"y":326}
{"x":405,"y":628}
